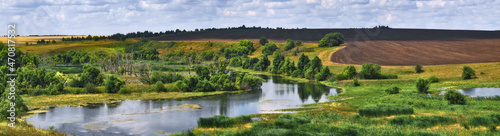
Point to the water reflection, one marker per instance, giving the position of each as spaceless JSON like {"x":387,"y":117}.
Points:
{"x":133,"y":117}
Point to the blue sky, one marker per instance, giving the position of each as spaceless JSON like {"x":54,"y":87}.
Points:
{"x":121,"y":16}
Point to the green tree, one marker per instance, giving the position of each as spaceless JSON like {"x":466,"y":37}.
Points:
{"x":303,"y":60}
{"x":202,"y":71}
{"x":159,"y":87}
{"x":269,"y":48}
{"x":5,"y":102}
{"x":278,"y":61}
{"x":331,"y":39}
{"x":113,"y":84}
{"x":289,"y":44}
{"x":468,"y":73}
{"x":248,"y":44}
{"x":204,"y":86}
{"x":423,"y":85}
{"x":455,"y":97}
{"x":90,"y":75}
{"x":323,"y":75}
{"x":262,"y":64}
{"x":53,"y":41}
{"x":370,"y":71}
{"x":252,"y":81}
{"x":263,"y":41}
{"x":349,"y":72}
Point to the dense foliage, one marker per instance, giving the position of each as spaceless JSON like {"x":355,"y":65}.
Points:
{"x":90,"y":75}
{"x":384,"y":110}
{"x":455,"y":97}
{"x":423,"y":85}
{"x":418,"y":68}
{"x":263,"y":41}
{"x":331,"y":39}
{"x":113,"y":84}
{"x":269,"y":48}
{"x":468,"y":73}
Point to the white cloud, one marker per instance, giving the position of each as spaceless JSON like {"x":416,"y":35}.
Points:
{"x":112,"y":16}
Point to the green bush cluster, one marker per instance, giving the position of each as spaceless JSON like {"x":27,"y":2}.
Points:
{"x":418,"y":68}
{"x":455,"y":97}
{"x":468,"y":73}
{"x":392,"y":90}
{"x":384,"y":110}
{"x":113,"y":84}
{"x":422,"y":121}
{"x":433,"y":79}
{"x":373,"y":71}
{"x":331,"y":39}
{"x":423,"y":85}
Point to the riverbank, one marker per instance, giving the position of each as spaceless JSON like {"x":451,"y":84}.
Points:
{"x":448,"y":119}
{"x":43,"y":101}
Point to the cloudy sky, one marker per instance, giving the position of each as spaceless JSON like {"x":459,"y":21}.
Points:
{"x":121,"y":16}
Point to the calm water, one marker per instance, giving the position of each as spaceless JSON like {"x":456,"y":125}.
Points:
{"x":478,"y":92}
{"x":134,"y":117}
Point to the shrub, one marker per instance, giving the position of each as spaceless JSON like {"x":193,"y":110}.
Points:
{"x":349,"y":72}
{"x":124,"y":90}
{"x":113,"y":84}
{"x":384,"y":110}
{"x":90,"y":75}
{"x":56,"y":89}
{"x":269,"y":48}
{"x":468,"y":73}
{"x":331,"y":39}
{"x":370,"y":71}
{"x":355,"y":82}
{"x":423,"y":85}
{"x":91,"y":88}
{"x":204,"y":86}
{"x":263,"y":40}
{"x":216,"y":121}
{"x":252,"y":81}
{"x":418,"y":68}
{"x":422,"y":121}
{"x":289,"y":44}
{"x":392,"y":90}
{"x":159,"y":87}
{"x":433,"y":79}
{"x":455,"y":97}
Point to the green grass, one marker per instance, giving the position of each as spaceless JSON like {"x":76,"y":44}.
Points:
{"x":422,"y":121}
{"x":384,"y":110}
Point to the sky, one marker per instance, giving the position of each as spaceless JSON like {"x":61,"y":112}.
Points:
{"x":104,"y":17}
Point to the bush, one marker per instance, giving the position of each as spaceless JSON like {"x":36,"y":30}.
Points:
{"x":252,"y":81}
{"x":392,"y":90}
{"x":204,"y":86}
{"x":355,"y":82}
{"x":422,"y":121}
{"x":384,"y":110}
{"x":418,"y":68}
{"x":113,"y":84}
{"x":370,"y":71}
{"x":269,"y":48}
{"x":124,"y":90}
{"x":331,"y":39}
{"x":159,"y":87}
{"x":455,"y":97}
{"x":468,"y":73}
{"x":289,"y":44}
{"x":433,"y":79}
{"x":91,"y":88}
{"x":56,"y":89}
{"x":216,"y":121}
{"x":263,"y":40}
{"x":90,"y":75}
{"x":423,"y":85}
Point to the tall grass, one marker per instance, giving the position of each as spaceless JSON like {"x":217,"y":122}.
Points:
{"x":384,"y":110}
{"x":485,"y":120}
{"x":222,"y":121}
{"x":422,"y":121}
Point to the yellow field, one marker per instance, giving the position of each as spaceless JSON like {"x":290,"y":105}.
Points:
{"x":32,"y":39}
